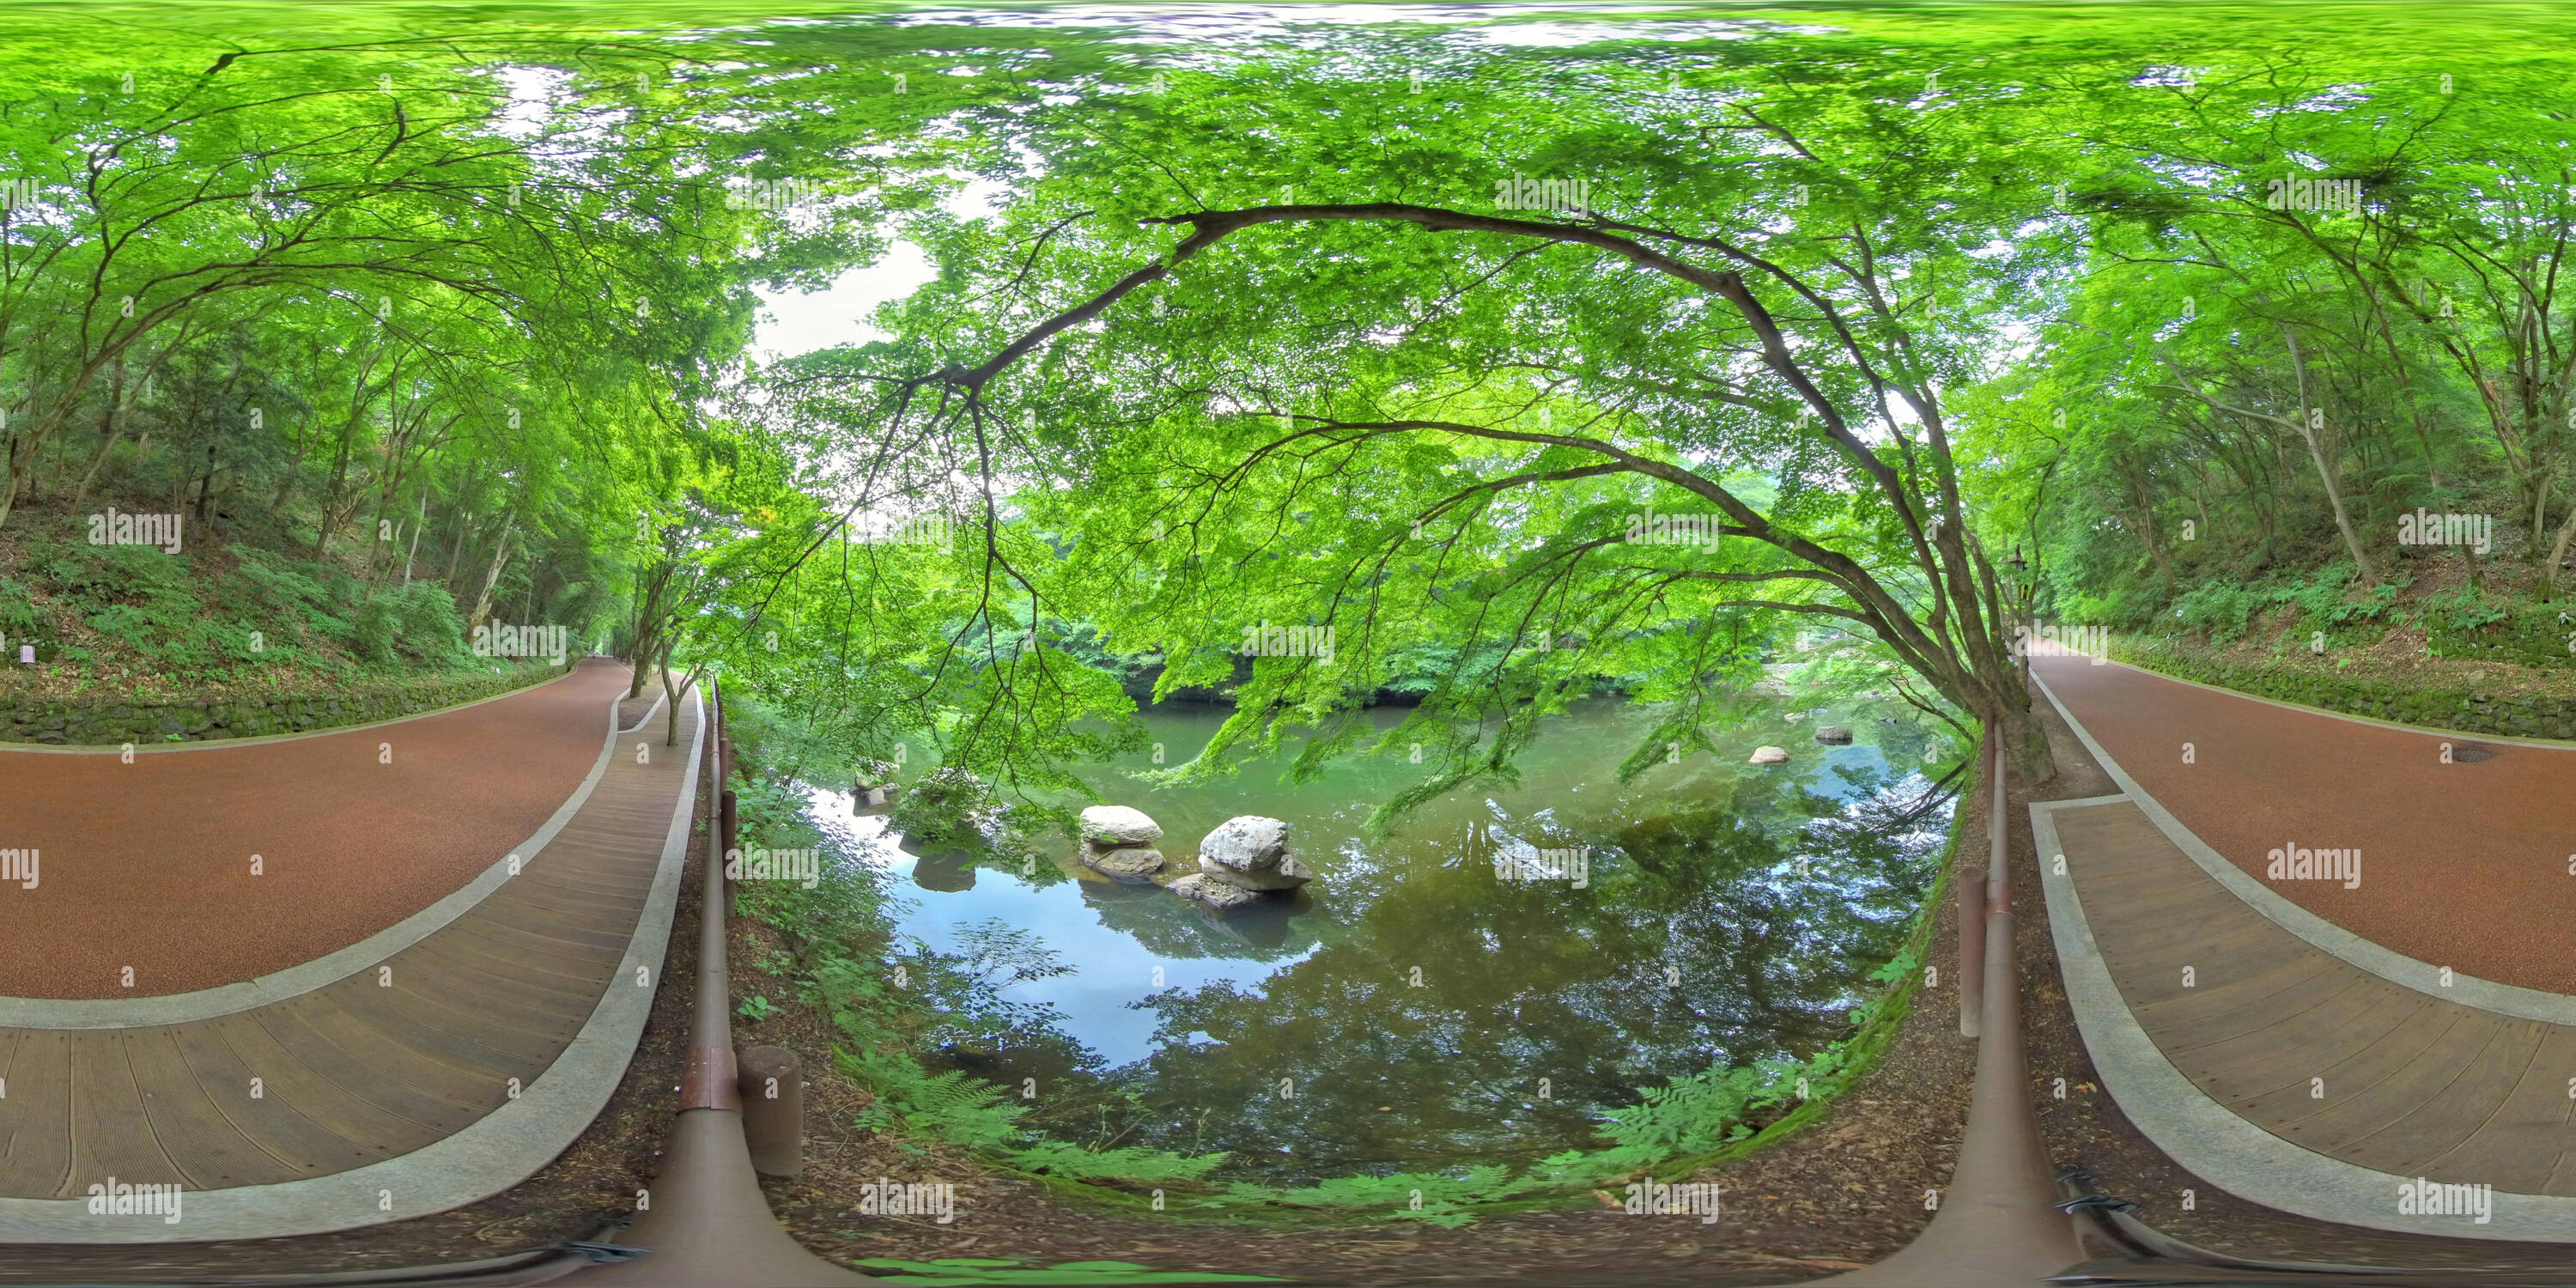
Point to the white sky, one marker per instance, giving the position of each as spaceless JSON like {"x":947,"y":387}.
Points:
{"x":795,"y":322}
{"x":792,"y":323}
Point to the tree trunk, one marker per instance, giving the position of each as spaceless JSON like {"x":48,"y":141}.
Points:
{"x":417,"y":525}
{"x":206,"y":485}
{"x":2026,"y":740}
{"x":111,"y":426}
{"x":2558,"y":553}
{"x":671,"y":696}
{"x":2325,"y":472}
{"x":491,"y":576}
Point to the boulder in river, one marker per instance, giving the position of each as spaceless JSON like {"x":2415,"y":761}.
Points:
{"x":1199,"y":887}
{"x":1117,"y":825}
{"x":1834,"y":734}
{"x":1769,"y":756}
{"x":1252,"y":852}
{"x":1133,"y":863}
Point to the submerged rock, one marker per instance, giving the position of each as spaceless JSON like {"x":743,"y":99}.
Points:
{"x":1768,"y":756}
{"x":1136,"y":863}
{"x":1834,"y":734}
{"x":1199,"y":887}
{"x":1113,"y":826}
{"x":1251,"y":851}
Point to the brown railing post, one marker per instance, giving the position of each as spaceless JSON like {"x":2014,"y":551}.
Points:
{"x":773,"y":1109}
{"x":732,"y":827}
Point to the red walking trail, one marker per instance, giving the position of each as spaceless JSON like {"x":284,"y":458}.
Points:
{"x":148,"y":865}
{"x":2464,"y":865}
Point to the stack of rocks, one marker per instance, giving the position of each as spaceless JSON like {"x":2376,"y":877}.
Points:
{"x":1245,"y":858}
{"x":1118,"y":842}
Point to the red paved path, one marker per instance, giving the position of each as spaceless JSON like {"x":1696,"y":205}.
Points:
{"x":2463,"y":865}
{"x":148,"y":865}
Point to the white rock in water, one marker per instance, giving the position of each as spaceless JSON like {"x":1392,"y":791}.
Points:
{"x":1795,"y":716}
{"x":1287,"y":875}
{"x":1834,"y":734}
{"x":1201,"y":888}
{"x":1117,"y":825}
{"x":1133,"y":863}
{"x":1251,"y":851}
{"x":1769,"y":756}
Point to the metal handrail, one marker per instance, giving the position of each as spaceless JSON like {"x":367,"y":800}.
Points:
{"x":1998,"y":1223}
{"x":709,"y":1224}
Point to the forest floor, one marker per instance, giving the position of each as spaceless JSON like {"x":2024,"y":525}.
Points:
{"x":2399,"y":658}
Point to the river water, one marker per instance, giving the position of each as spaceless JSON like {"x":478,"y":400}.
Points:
{"x":1421,"y":1005}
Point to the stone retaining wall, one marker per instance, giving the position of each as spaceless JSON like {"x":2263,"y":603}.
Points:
{"x":112,"y":721}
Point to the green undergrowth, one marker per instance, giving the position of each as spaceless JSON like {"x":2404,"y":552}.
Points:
{"x":2327,"y":609}
{"x":135,"y":619}
{"x":886,"y":1000}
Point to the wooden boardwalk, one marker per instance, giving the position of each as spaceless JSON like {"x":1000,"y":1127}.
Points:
{"x":2316,"y":1051}
{"x":381,"y":1063}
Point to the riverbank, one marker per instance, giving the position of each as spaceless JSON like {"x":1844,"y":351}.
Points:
{"x":1792,"y":1209}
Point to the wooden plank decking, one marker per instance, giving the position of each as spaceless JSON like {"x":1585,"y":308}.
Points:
{"x":2312,"y":1049}
{"x":373,"y":1066}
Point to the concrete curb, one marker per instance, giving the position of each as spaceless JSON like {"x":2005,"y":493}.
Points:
{"x":2207,"y":1138}
{"x":495,"y":1153}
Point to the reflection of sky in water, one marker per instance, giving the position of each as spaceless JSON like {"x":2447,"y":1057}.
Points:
{"x":1111,"y":969}
{"x":1114,"y":937}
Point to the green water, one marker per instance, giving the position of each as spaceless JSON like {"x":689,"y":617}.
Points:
{"x":1423,"y":1008}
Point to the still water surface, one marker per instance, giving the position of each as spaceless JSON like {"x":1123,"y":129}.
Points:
{"x":1425,"y":1008}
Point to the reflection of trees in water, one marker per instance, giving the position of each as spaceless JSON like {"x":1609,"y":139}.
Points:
{"x":1266,"y":932}
{"x":973,"y":1026}
{"x":1521,"y":982}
